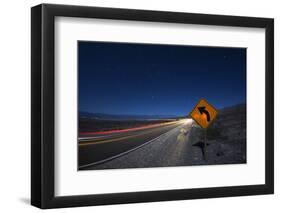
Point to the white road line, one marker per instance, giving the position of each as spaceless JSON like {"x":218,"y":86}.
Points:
{"x":128,"y":151}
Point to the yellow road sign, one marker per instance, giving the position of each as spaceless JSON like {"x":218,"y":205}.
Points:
{"x":204,"y":113}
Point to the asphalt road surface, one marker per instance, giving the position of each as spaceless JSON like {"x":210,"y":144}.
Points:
{"x":101,"y":150}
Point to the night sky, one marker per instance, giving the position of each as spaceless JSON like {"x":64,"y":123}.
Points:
{"x":149,"y":79}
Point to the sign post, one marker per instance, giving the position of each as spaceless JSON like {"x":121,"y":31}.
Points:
{"x":204,"y":114}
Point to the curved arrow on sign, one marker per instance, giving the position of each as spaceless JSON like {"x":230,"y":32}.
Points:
{"x":202,"y":110}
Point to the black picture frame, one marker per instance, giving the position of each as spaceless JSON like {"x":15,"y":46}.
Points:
{"x":43,"y":117}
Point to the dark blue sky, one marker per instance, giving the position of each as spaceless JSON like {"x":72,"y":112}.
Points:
{"x":149,"y":79}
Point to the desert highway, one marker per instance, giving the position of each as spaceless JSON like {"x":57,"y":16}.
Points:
{"x":99,"y":149}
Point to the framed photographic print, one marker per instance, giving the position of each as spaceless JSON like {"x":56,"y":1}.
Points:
{"x":139,"y":106}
